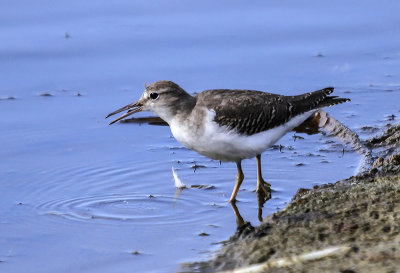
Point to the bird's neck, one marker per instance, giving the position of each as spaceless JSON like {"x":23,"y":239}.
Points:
{"x":180,"y":109}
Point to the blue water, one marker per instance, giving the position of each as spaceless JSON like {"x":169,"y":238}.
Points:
{"x":78,"y":195}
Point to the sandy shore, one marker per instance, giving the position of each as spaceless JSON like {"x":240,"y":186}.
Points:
{"x":352,"y":225}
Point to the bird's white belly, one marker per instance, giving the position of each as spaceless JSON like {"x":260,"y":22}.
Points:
{"x":220,"y":143}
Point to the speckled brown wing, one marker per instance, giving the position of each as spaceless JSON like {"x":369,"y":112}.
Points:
{"x":250,"y":112}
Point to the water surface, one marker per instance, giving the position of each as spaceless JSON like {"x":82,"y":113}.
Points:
{"x":78,"y":195}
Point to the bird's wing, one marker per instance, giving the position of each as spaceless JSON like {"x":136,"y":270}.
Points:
{"x":250,"y":112}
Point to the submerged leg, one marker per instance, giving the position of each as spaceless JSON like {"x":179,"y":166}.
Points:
{"x":261,"y":184}
{"x":239,"y":180}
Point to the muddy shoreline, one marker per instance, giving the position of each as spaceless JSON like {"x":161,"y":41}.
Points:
{"x":352,"y":225}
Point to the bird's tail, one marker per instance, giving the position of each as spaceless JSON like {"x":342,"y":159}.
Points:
{"x":318,"y":99}
{"x":332,"y":100}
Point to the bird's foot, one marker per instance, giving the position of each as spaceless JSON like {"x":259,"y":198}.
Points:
{"x":265,"y":183}
{"x":263,"y":195}
{"x":263,"y":190}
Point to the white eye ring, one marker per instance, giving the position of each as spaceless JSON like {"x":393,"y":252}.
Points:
{"x":153,"y":95}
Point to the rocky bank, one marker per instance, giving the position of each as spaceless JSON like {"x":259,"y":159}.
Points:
{"x":352,"y":225}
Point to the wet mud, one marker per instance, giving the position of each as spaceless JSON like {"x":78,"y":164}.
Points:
{"x":352,"y":225}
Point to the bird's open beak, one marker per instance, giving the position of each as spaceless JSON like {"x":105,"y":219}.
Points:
{"x":132,"y":109}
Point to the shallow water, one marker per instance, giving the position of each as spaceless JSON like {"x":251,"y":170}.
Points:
{"x":78,"y":195}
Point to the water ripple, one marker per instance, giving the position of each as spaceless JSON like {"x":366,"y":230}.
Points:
{"x":116,"y":209}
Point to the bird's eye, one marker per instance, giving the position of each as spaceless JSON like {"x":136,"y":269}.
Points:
{"x":153,"y":96}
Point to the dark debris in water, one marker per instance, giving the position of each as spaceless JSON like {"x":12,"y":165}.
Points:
{"x":46,"y":95}
{"x":215,"y":205}
{"x":295,"y":137}
{"x":178,"y":148}
{"x":203,"y":234}
{"x":391,"y":117}
{"x":369,"y":129}
{"x":323,"y":150}
{"x":276,"y":147}
{"x":312,"y":155}
{"x":202,"y":187}
{"x":196,"y":166}
{"x":8,"y":98}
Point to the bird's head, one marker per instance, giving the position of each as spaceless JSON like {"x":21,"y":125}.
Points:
{"x":163,"y":98}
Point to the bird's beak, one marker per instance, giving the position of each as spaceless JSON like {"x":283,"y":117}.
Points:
{"x":132,"y":109}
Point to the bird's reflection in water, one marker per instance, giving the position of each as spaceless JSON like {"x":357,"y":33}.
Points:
{"x":261,"y":199}
{"x":243,"y":228}
{"x":178,"y":192}
{"x":323,"y":123}
{"x":239,"y":218}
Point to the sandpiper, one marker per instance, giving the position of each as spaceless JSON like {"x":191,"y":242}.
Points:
{"x":229,"y":124}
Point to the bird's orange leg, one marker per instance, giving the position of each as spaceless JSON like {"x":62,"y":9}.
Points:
{"x":261,"y":184}
{"x":239,"y":180}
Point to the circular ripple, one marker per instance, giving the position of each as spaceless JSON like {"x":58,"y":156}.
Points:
{"x":127,"y":208}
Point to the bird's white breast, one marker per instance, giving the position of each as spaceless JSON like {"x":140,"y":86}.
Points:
{"x":221,"y":143}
